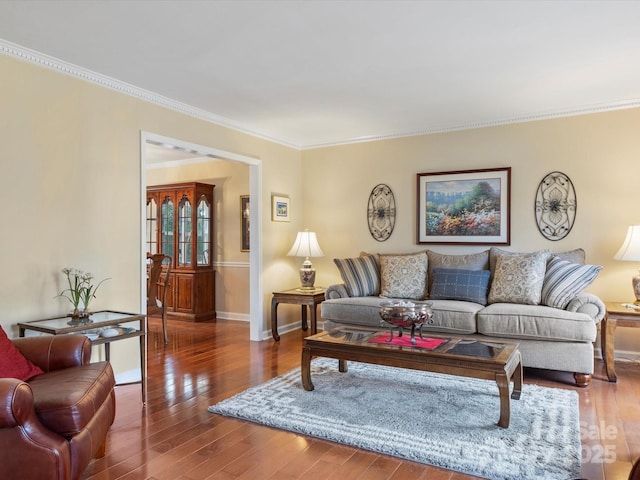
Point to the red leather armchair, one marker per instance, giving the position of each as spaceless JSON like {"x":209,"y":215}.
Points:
{"x":52,"y":426}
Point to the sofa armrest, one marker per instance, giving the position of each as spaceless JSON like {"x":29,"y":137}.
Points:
{"x":54,"y":352}
{"x":24,"y":439}
{"x":336,"y":291}
{"x":590,"y":304}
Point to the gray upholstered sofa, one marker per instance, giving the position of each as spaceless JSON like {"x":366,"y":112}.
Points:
{"x":534,"y":299}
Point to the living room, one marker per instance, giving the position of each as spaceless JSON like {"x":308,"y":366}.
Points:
{"x":72,"y":170}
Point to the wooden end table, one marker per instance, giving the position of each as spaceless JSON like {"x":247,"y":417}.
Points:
{"x":466,"y":357}
{"x":618,"y":315}
{"x":296,"y":296}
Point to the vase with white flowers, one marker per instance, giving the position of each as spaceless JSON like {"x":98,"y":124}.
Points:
{"x":80,"y":292}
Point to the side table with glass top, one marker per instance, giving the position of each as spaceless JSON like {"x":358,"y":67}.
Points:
{"x":126,"y":325}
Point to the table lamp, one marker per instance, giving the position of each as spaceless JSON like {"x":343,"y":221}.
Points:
{"x":630,"y":252}
{"x":306,"y":245}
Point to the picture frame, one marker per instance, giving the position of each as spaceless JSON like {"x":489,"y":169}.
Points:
{"x":465,"y":207}
{"x":244,"y":223}
{"x":280,"y":208}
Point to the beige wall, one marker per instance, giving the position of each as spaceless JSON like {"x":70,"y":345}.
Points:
{"x":599,"y":152}
{"x":70,"y":183}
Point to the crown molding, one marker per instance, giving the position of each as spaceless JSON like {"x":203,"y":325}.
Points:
{"x":582,"y":110}
{"x":32,"y":56}
{"x":26,"y":54}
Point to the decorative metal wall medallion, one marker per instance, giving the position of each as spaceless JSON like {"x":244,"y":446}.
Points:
{"x":556,"y":206}
{"x":381,"y":212}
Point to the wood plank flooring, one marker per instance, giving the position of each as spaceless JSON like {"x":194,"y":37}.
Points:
{"x":174,"y":437}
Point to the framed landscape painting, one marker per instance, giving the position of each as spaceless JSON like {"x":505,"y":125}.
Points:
{"x":464,"y":207}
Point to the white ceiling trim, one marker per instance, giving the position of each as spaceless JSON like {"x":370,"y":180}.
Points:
{"x":38,"y":58}
{"x":32,"y":56}
{"x":584,"y":110}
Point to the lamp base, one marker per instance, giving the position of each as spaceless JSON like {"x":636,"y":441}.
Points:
{"x":635,"y":281}
{"x":307,"y":277}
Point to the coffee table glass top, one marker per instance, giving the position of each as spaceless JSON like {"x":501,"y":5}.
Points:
{"x":469,"y":347}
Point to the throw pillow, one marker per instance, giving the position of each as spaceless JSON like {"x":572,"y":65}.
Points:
{"x":458,"y":284}
{"x":471,"y":261}
{"x":403,"y":276}
{"x":565,"y":280}
{"x":496,"y":252}
{"x":518,"y":278}
{"x":360,"y":275}
{"x":12,"y":363}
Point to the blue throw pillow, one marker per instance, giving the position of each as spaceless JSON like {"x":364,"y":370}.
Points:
{"x":457,"y":284}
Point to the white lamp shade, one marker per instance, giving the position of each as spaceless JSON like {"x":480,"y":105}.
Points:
{"x":306,"y":245}
{"x":630,"y":249}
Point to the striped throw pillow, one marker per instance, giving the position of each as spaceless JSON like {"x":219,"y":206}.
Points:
{"x":565,"y":280}
{"x":360,"y":275}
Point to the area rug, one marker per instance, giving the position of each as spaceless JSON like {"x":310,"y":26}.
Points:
{"x":440,"y":420}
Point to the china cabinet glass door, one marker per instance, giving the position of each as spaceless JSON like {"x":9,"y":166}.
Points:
{"x":166,"y":224}
{"x":203,"y":227}
{"x":152,"y":226}
{"x":184,"y":232}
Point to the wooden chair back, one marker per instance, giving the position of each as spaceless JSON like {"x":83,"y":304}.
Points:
{"x":158,"y":270}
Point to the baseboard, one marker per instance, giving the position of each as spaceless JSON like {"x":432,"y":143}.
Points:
{"x":242,"y":317}
{"x":130,"y":376}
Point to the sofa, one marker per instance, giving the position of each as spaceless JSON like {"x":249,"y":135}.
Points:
{"x":536,"y":299}
{"x":53,"y":424}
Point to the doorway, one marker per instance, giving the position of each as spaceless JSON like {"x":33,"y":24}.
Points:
{"x":184,"y":150}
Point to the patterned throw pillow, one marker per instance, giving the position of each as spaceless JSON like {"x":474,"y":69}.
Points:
{"x":519,"y":278}
{"x":565,"y":280}
{"x":12,"y":363}
{"x":495,"y":252}
{"x":403,"y":276}
{"x":457,"y":284}
{"x":360,"y":275}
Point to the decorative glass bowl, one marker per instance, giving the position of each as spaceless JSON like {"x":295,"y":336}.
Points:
{"x":403,"y":314}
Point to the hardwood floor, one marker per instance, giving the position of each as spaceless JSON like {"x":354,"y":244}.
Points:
{"x":174,"y":437}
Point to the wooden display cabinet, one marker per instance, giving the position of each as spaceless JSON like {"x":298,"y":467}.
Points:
{"x":180,"y":224}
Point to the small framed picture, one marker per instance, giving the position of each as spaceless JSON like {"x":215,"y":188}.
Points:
{"x":280,"y":208}
{"x":244,"y":223}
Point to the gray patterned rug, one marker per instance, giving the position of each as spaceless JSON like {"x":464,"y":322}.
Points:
{"x":439,"y":420}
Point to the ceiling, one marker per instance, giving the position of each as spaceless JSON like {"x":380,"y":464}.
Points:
{"x":313,"y":73}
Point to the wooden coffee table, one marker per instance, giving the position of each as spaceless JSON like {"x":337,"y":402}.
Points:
{"x":466,"y":357}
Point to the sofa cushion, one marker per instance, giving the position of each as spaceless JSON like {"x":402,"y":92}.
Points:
{"x":452,"y":317}
{"x":403,"y":276}
{"x":519,"y":278}
{"x":472,"y":261}
{"x":14,"y":364}
{"x":360,"y":275}
{"x":449,"y":316}
{"x":66,"y":400}
{"x":509,"y":320}
{"x":459,"y":284}
{"x":574,"y":256}
{"x":565,"y":280}
{"x":363,"y":311}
